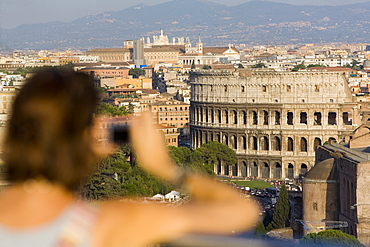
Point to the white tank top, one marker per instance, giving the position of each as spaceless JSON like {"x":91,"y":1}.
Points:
{"x":72,"y":228}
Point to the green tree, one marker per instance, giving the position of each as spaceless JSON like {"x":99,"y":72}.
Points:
{"x":115,"y":177}
{"x":215,"y":152}
{"x":259,"y":65}
{"x":240,"y":66}
{"x":355,"y":65}
{"x":111,"y":111}
{"x":332,"y":238}
{"x":206,"y":66}
{"x":192,"y":65}
{"x":281,"y":210}
{"x":191,"y":161}
{"x":315,"y":65}
{"x":136,"y":72}
{"x":298,"y":67}
{"x":259,"y":230}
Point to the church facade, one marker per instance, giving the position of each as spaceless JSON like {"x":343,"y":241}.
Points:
{"x":273,"y":120}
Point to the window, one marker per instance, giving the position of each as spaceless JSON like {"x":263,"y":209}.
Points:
{"x":290,"y":118}
{"x":265,"y":118}
{"x":332,"y":118}
{"x":303,"y":144}
{"x":303,"y":118}
{"x":253,"y":143}
{"x":264,"y":143}
{"x":255,"y":118}
{"x":317,"y":118}
{"x":290,"y":146}
{"x":277,"y":118}
{"x":264,"y":88}
{"x":290,"y":171}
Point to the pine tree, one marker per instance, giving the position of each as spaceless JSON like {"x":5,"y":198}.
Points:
{"x":281,"y":210}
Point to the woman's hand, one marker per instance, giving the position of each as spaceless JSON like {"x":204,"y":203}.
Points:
{"x":150,"y":149}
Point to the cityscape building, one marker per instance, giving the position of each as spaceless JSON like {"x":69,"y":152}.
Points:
{"x":335,"y":189}
{"x":273,"y":120}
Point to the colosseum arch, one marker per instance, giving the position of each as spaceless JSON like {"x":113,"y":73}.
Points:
{"x":226,"y":112}
{"x":265,"y":170}
{"x":290,"y":172}
{"x":254,"y":169}
{"x":226,"y":170}
{"x":303,"y":144}
{"x":332,"y":118}
{"x":277,"y":118}
{"x":332,"y":140}
{"x":316,"y":143}
{"x":290,"y":144}
{"x":289,"y":118}
{"x":243,"y":141}
{"x":276,"y":172}
{"x":317,"y":118}
{"x":234,"y":142}
{"x":201,"y":114}
{"x":219,"y":116}
{"x":254,"y":117}
{"x":304,"y":169}
{"x":212,"y":115}
{"x":244,"y":114}
{"x":218,"y":137}
{"x":265,"y":118}
{"x":276,"y":143}
{"x":244,"y":169}
{"x":219,"y":168}
{"x":264,"y":143}
{"x":253,"y":145}
{"x":225,"y":139}
{"x":235,"y":117}
{"x":234,"y":170}
{"x":303,"y":118}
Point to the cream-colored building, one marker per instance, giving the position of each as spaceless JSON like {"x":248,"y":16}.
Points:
{"x":170,"y":112}
{"x":273,"y":120}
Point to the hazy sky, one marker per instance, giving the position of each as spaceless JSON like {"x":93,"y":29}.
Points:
{"x":17,"y":12}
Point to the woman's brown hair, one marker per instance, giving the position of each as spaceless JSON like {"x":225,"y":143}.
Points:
{"x":48,"y":135}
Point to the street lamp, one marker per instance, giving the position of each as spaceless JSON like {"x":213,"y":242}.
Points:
{"x":353,"y":207}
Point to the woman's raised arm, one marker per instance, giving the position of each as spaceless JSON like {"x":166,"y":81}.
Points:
{"x":215,"y":208}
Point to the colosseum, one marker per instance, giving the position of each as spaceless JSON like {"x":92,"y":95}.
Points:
{"x":273,"y":120}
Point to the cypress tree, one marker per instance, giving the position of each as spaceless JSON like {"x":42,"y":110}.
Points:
{"x":281,"y":210}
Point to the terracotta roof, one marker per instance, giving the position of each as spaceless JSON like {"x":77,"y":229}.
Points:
{"x":110,"y":50}
{"x":322,"y":171}
{"x":148,"y":91}
{"x":217,"y":50}
{"x":222,"y":66}
{"x":332,"y":69}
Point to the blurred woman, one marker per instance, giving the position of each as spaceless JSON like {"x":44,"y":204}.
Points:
{"x":49,"y":150}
